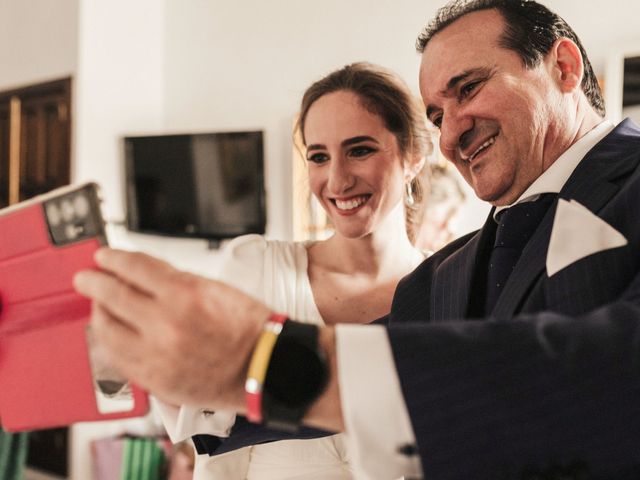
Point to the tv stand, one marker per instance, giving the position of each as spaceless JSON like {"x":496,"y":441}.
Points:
{"x":213,"y":244}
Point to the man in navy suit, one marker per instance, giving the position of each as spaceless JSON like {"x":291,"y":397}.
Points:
{"x":548,"y":385}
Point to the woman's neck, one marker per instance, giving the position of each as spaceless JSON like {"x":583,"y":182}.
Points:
{"x":353,"y":279}
{"x":383,"y":254}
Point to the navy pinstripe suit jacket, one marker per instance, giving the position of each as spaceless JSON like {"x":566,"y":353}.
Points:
{"x":550,"y":386}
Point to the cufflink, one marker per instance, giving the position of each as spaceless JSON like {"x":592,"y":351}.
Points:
{"x":408,"y":449}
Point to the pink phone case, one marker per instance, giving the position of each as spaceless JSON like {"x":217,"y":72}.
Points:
{"x":45,"y":371}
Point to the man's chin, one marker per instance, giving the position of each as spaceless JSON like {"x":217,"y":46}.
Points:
{"x":496,"y":197}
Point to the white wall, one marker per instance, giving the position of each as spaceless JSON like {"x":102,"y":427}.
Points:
{"x":118,"y":89}
{"x":603,"y":26}
{"x":38,"y":41}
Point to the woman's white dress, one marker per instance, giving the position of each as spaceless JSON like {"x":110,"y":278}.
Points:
{"x":276,"y":273}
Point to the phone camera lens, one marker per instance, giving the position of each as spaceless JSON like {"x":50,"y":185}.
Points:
{"x":67,"y":210}
{"x":73,"y":231}
{"x":81,"y":205}
{"x":53,"y":214}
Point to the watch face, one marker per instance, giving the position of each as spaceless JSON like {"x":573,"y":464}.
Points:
{"x":296,"y":374}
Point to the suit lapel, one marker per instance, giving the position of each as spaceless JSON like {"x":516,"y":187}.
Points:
{"x":592,"y":184}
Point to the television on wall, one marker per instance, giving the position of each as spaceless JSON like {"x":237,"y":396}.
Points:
{"x":203,"y":185}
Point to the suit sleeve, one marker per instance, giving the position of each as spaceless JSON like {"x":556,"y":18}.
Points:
{"x":493,"y":399}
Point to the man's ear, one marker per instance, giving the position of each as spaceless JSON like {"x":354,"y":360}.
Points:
{"x":567,"y":64}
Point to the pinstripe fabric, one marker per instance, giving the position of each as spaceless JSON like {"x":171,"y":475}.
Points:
{"x":549,"y":388}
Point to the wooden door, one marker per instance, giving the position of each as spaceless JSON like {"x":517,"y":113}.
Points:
{"x":35,"y":140}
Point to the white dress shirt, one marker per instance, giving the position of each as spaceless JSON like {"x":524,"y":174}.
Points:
{"x":553,"y":178}
{"x":376,"y":418}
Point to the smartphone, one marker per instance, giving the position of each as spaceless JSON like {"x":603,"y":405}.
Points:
{"x":46,"y":370}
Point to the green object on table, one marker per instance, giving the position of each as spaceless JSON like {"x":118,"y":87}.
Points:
{"x":142,"y":459}
{"x":13,"y":454}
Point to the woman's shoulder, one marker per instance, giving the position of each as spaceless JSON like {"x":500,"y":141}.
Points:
{"x":258,"y":266}
{"x":254,"y":254}
{"x":246,"y":245}
{"x":253,"y":246}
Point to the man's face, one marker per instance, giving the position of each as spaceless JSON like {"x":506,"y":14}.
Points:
{"x":498,"y":120}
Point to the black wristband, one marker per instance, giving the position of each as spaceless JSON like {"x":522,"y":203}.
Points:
{"x":296,"y":376}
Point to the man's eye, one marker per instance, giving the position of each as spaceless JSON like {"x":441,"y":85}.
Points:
{"x":317,"y":158}
{"x":437,"y":121}
{"x":467,"y":89}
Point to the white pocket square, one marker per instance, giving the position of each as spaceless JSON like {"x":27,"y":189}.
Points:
{"x":578,"y":233}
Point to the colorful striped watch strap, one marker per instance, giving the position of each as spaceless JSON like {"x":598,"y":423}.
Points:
{"x":259,"y":364}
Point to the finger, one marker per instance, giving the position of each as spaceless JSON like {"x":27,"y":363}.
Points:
{"x":131,"y":306}
{"x":128,"y":351}
{"x":101,"y":364}
{"x":121,"y":344}
{"x":143,"y":271}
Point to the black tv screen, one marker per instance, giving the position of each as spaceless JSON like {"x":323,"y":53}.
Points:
{"x":205,"y":185}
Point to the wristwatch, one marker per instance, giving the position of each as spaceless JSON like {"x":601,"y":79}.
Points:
{"x":296,"y":376}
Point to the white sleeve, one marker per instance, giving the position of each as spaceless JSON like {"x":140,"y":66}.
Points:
{"x":377,"y":430}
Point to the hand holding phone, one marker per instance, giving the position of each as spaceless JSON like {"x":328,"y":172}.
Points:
{"x":46,"y":375}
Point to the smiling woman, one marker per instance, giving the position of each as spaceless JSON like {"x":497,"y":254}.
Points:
{"x":365,"y":142}
{"x":356,"y":169}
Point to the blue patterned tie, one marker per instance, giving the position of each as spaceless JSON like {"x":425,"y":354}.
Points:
{"x":516,"y":227}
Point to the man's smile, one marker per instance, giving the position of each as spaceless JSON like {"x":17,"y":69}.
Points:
{"x":476,"y":152}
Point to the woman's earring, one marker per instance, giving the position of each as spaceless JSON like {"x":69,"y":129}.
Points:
{"x":408,"y":197}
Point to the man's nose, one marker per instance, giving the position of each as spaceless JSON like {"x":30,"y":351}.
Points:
{"x":454,"y":133}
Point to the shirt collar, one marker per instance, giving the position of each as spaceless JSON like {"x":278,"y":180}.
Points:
{"x":553,"y":178}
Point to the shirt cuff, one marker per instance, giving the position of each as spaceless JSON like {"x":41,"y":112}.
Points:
{"x":379,"y":433}
{"x":184,"y":422}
